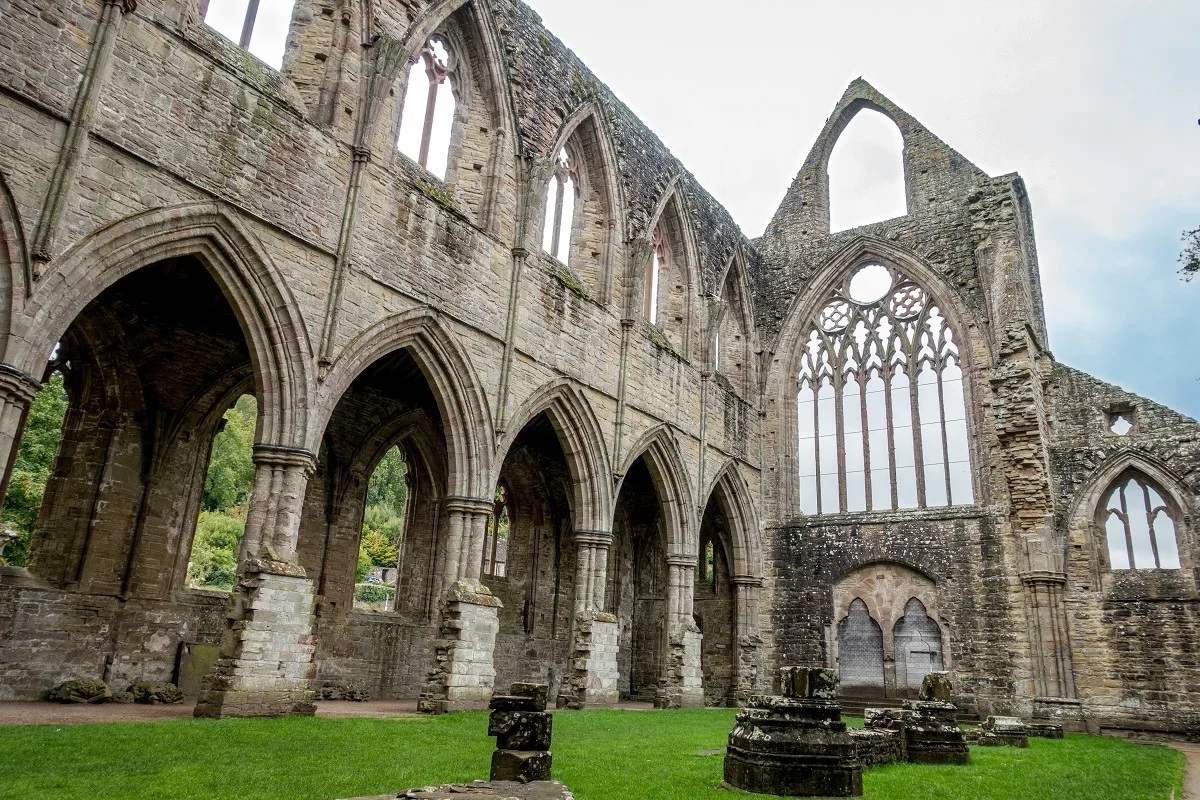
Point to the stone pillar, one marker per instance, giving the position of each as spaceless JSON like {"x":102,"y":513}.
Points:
{"x":1045,"y":584}
{"x":17,"y":390}
{"x":682,"y":685}
{"x":748,"y":664}
{"x":266,"y":664}
{"x":463,"y":672}
{"x":594,"y":634}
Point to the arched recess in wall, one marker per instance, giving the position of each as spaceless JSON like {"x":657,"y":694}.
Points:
{"x":866,"y":171}
{"x":15,"y":273}
{"x":732,"y":354}
{"x":880,"y":334}
{"x":454,"y":64}
{"x":583,"y":445}
{"x":668,"y":277}
{"x":1131,"y":516}
{"x":660,"y":452}
{"x":444,"y":365}
{"x":581,"y":223}
{"x":266,"y":311}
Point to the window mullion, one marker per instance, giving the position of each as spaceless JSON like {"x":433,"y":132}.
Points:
{"x":945,"y":438}
{"x":556,"y":233}
{"x":866,"y":440}
{"x":430,"y":106}
{"x":1128,"y":530}
{"x":248,"y":24}
{"x":888,"y":374}
{"x":839,"y":426}
{"x":914,"y":378}
{"x":1150,"y":523}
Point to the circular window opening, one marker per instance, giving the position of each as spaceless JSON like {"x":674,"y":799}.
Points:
{"x":870,"y":283}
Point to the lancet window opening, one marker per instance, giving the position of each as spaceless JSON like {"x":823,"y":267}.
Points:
{"x":562,"y":192}
{"x":428,"y":114}
{"x":496,"y":539}
{"x":260,"y":26}
{"x":881,"y":407}
{"x":1139,"y":526}
{"x":658,"y":265}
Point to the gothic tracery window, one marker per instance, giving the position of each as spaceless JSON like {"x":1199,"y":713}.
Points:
{"x":654,"y":273}
{"x":495,"y":541}
{"x":428,"y":115}
{"x":881,"y":409}
{"x":1139,"y":526}
{"x":561,"y":193}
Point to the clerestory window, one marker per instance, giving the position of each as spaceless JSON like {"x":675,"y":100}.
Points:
{"x":561,"y":193}
{"x":1139,"y":526}
{"x":260,"y":26}
{"x":881,"y":411}
{"x":654,"y":274}
{"x":427,"y":118}
{"x":495,"y":541}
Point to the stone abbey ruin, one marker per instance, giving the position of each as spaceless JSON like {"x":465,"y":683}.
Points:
{"x":427,"y":226}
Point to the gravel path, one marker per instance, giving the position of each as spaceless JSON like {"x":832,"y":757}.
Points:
{"x":59,"y":714}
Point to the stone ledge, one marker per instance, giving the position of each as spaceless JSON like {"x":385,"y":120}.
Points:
{"x":483,"y":790}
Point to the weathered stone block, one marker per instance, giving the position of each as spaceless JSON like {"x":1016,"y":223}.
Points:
{"x":521,"y":765}
{"x":521,"y":730}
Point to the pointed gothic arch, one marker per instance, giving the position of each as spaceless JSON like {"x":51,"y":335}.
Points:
{"x":16,"y":274}
{"x":583,"y":444}
{"x":660,"y":451}
{"x":448,"y":370}
{"x":733,"y":340}
{"x":734,"y":493}
{"x":668,"y":280}
{"x":280,"y":349}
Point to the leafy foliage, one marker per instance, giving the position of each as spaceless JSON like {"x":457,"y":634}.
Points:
{"x":383,"y":521}
{"x":35,"y":459}
{"x":227,"y":488}
{"x":1190,"y":257}
{"x":374,"y":592}
{"x":231,"y":467}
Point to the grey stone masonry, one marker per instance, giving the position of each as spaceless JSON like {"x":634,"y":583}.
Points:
{"x":595,"y":661}
{"x":463,"y":674}
{"x":522,"y":728}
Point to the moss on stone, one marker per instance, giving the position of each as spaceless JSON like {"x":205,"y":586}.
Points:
{"x":568,"y":279}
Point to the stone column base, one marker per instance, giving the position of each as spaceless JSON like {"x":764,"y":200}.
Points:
{"x":266,"y":664}
{"x":594,"y":661}
{"x":463,"y":673}
{"x":684,"y":685}
{"x":1064,"y":711}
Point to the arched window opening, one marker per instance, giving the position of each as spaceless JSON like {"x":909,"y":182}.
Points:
{"x":381,"y":545}
{"x":495,"y":542}
{"x":561,"y":194}
{"x":260,"y":26}
{"x":32,"y":466}
{"x":654,"y":273}
{"x":866,"y":173}
{"x":1139,"y":526}
{"x":871,"y":437}
{"x":427,"y":118}
{"x":707,"y":565}
{"x":918,"y":642}
{"x":226,"y":499}
{"x":860,"y":651}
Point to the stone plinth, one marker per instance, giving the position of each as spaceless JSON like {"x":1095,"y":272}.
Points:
{"x":684,"y":684}
{"x":463,"y":673}
{"x":522,"y":728}
{"x":1045,"y":730}
{"x":878,"y":746}
{"x":1003,"y":732}
{"x":265,"y":668}
{"x":931,"y":730}
{"x":595,"y":661}
{"x":795,"y":745}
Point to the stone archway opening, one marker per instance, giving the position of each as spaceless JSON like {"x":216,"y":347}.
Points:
{"x":715,"y":605}
{"x":149,"y":368}
{"x":638,"y":585}
{"x":379,"y":490}
{"x":532,"y":523}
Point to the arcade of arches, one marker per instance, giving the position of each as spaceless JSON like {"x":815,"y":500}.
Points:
{"x":406,"y":361}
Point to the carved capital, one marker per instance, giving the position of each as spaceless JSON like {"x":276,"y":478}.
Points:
{"x":599,"y":539}
{"x":17,"y":386}
{"x":276,"y":455}
{"x":461,"y":504}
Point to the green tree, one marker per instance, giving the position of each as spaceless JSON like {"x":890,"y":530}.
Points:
{"x":231,"y":465}
{"x":387,"y":489}
{"x":383,"y":518}
{"x":31,"y":470}
{"x":1190,"y":257}
{"x":380,"y":537}
{"x":213,"y":564}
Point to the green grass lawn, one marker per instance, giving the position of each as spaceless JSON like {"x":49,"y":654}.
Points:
{"x":601,"y":755}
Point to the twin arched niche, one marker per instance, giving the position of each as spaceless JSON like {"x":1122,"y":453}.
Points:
{"x":732,"y":347}
{"x":881,"y":411}
{"x":886,"y":634}
{"x":667,"y":282}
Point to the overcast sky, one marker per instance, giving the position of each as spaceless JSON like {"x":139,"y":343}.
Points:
{"x":1094,"y":103}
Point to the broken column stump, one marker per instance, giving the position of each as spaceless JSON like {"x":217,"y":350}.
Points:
{"x":521,"y":725}
{"x":795,"y":745}
{"x":1003,"y":732}
{"x":931,"y":730}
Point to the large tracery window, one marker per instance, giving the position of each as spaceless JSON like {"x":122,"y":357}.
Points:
{"x":495,"y":542}
{"x":1139,"y":526}
{"x":880,"y":404}
{"x":654,"y":271}
{"x":561,"y":193}
{"x":428,"y":115}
